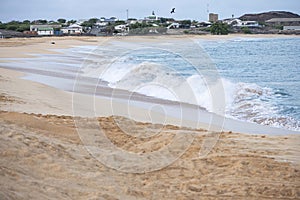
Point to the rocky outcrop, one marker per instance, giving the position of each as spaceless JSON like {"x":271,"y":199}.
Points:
{"x":262,"y":17}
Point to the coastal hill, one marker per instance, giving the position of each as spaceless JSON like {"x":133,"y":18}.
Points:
{"x":262,"y":17}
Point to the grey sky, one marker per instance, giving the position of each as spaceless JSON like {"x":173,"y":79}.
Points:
{"x":185,"y":9}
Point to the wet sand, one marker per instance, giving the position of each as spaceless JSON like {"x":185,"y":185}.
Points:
{"x":43,"y":156}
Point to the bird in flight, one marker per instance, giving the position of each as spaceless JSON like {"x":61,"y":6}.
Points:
{"x":173,"y":10}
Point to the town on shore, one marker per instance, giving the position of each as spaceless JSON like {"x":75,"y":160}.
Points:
{"x":273,"y":22}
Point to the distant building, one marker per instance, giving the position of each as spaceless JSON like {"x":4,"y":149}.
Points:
{"x":248,"y":24}
{"x":173,"y":26}
{"x":121,"y":28}
{"x":239,"y":23}
{"x":44,"y":29}
{"x":213,"y":17}
{"x":110,"y":20}
{"x":132,"y":21}
{"x":74,"y":29}
{"x":204,"y":24}
{"x":151,"y":18}
{"x":102,"y":22}
{"x":30,"y":33}
{"x":284,"y":21}
{"x":81,"y":21}
{"x":291,"y":28}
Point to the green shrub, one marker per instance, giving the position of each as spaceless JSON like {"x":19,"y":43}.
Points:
{"x":23,"y":27}
{"x":12,"y":27}
{"x":279,"y":27}
{"x":246,"y":30}
{"x":219,"y":28}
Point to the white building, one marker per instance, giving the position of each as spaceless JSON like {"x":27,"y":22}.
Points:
{"x":248,"y":24}
{"x":173,"y":26}
{"x":101,"y":23}
{"x":80,"y":21}
{"x":240,"y":23}
{"x":44,"y":29}
{"x":121,"y":28}
{"x":151,"y":18}
{"x":74,"y":29}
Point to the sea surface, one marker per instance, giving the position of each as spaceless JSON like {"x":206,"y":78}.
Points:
{"x":248,"y":79}
{"x":265,"y":77}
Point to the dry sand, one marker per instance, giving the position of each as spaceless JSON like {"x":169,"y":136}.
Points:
{"x":43,"y":157}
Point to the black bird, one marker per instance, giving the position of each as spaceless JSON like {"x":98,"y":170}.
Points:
{"x":173,"y":10}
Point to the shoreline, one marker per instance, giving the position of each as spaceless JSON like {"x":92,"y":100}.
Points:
{"x":56,"y":144}
{"x":54,"y":152}
{"x":71,"y":104}
{"x":144,"y":102}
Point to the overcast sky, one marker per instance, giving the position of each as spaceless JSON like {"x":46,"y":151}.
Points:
{"x":185,"y":9}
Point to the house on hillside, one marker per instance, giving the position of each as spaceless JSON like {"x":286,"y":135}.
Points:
{"x":239,"y":23}
{"x":81,"y":21}
{"x":45,"y":29}
{"x":73,"y":29}
{"x":105,"y":21}
{"x":204,"y":24}
{"x":174,"y":25}
{"x":101,"y":23}
{"x":151,"y":18}
{"x":122,"y":28}
{"x":110,"y":20}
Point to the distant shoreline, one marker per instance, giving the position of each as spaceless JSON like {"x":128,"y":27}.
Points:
{"x":18,"y":47}
{"x":176,"y":33}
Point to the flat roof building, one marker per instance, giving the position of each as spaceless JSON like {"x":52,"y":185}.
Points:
{"x":284,"y":21}
{"x":212,"y":17}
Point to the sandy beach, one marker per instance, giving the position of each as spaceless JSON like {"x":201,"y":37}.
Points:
{"x":50,"y":151}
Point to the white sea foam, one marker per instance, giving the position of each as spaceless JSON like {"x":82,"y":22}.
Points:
{"x":243,"y":101}
{"x":147,"y":74}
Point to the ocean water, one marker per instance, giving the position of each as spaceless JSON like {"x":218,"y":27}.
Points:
{"x":260,"y":77}
{"x":265,"y":76}
{"x":255,"y":80}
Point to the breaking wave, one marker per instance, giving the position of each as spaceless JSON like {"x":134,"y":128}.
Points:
{"x":243,"y":101}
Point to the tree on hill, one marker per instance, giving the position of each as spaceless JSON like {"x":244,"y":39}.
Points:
{"x":26,"y":22}
{"x":42,"y":21}
{"x":62,"y":21}
{"x":91,"y":22}
{"x":139,"y":25}
{"x":186,"y":22}
{"x":16,"y":26}
{"x":71,"y":22}
{"x":23,"y":27}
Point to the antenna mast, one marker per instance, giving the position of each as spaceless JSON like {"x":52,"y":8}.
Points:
{"x":207,"y":10}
